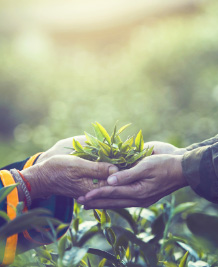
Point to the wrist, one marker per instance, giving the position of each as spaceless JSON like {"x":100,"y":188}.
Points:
{"x":35,"y":177}
{"x":178,"y":171}
{"x":180,"y":151}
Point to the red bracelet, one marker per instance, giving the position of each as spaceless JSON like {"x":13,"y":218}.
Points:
{"x":28,"y":186}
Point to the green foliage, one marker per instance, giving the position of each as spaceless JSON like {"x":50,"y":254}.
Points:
{"x":150,"y":243}
{"x":106,"y":148}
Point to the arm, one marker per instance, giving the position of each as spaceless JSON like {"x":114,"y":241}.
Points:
{"x":58,"y":177}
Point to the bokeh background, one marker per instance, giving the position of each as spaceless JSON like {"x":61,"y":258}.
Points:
{"x":66,"y":64}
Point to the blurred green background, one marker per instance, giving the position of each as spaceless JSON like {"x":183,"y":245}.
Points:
{"x":66,"y":64}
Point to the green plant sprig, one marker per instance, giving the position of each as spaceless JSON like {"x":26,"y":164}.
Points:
{"x":105,"y":148}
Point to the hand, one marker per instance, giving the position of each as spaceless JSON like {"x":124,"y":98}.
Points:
{"x":165,"y":148}
{"x":60,"y":148}
{"x":67,"y":176}
{"x":151,"y":179}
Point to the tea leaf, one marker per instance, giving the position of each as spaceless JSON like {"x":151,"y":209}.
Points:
{"x":105,"y":148}
{"x":61,"y":246}
{"x":6,"y":191}
{"x":105,"y":218}
{"x":76,"y":224}
{"x":136,"y":157}
{"x":104,"y":132}
{"x":73,"y":256}
{"x":104,"y":254}
{"x":98,"y":133}
{"x":85,"y":155}
{"x":183,"y":207}
{"x":139,"y":141}
{"x":102,"y":262}
{"x":183,"y":260}
{"x":97,"y":215}
{"x":149,"y":151}
{"x":91,"y":139}
{"x":113,"y":135}
{"x":110,"y":236}
{"x":77,"y":146}
{"x":123,"y":128}
{"x":127,"y":144}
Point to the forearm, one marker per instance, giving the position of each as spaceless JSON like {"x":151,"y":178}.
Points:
{"x":200,"y":168}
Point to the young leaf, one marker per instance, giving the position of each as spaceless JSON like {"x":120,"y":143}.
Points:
{"x":123,"y":128}
{"x":85,"y":155}
{"x":105,"y":148}
{"x":77,"y":146}
{"x":139,"y":141}
{"x":110,"y":236}
{"x":105,"y":218}
{"x":5,"y":191}
{"x":128,"y":253}
{"x":102,"y":262}
{"x":104,"y":132}
{"x":97,"y":215}
{"x":183,"y":207}
{"x":113,"y":135}
{"x":127,"y":144}
{"x":149,"y":151}
{"x":98,"y":133}
{"x":91,"y":139}
{"x":183,"y":260}
{"x":61,"y":246}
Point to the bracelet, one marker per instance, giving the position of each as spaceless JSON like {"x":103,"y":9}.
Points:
{"x":18,"y":178}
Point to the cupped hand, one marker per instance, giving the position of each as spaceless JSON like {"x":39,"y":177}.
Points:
{"x":151,"y":179}
{"x":164,"y":148}
{"x":60,"y":148}
{"x":67,"y":176}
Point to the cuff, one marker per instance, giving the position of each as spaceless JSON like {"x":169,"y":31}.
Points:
{"x":207,"y":142}
{"x":198,"y":169}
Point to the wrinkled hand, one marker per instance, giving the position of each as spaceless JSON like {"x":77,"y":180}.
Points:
{"x":151,"y":179}
{"x":165,"y":148}
{"x":60,"y":148}
{"x":67,"y":176}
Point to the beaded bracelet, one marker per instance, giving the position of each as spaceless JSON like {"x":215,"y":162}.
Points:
{"x":19,"y":178}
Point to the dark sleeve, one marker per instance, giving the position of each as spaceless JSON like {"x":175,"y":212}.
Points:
{"x":17,"y":165}
{"x":200,"y":168}
{"x":207,"y":142}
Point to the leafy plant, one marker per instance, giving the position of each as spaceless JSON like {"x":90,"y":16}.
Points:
{"x":110,"y":148}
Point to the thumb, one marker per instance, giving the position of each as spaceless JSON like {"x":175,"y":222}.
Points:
{"x":98,"y":170}
{"x":128,"y":176}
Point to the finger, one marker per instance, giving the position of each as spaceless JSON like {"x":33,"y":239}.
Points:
{"x":132,"y":191}
{"x":111,"y":203}
{"x":131,"y":175}
{"x":98,"y":170}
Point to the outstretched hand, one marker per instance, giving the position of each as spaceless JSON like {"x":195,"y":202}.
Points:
{"x":61,"y":148}
{"x":151,"y":179}
{"x":67,"y":176}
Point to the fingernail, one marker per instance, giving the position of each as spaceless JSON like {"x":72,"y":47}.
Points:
{"x":113,"y":169}
{"x":81,"y":200}
{"x":112,"y":180}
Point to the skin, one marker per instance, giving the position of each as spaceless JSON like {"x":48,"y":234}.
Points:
{"x":58,"y":173}
{"x":151,"y":179}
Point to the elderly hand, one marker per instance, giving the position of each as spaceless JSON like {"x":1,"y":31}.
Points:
{"x":60,"y":148}
{"x":66,"y":175}
{"x":151,"y":179}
